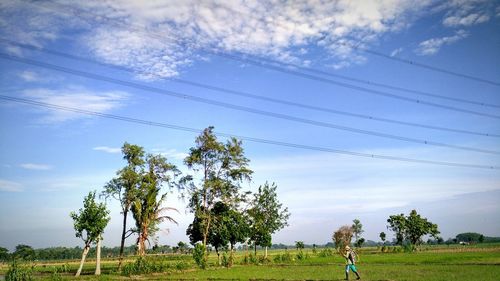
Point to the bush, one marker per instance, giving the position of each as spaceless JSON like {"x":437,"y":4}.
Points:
{"x":145,"y":266}
{"x":283,"y":258}
{"x":18,"y":273}
{"x":199,"y":255}
{"x":326,"y":252}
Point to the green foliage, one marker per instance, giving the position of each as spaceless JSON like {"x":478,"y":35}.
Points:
{"x":283,"y":258}
{"x":326,"y":252}
{"x":199,"y":255}
{"x":266,"y":215}
{"x":91,"y":220}
{"x":299,"y":245}
{"x":17,"y":272}
{"x":24,"y":252}
{"x":470,"y":237}
{"x":382,"y":236}
{"x":411,"y":228}
{"x":4,"y":254}
{"x":224,"y":168}
{"x":147,"y":208}
{"x":357,"y":229}
{"x":359,"y":242}
{"x":148,"y":265}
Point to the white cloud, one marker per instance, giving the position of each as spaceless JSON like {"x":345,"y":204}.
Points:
{"x":108,"y":149}
{"x":465,"y":21}
{"x":29,"y":76}
{"x":171,"y":153}
{"x":467,"y":12}
{"x":76,"y":97}
{"x":10,"y":186}
{"x":396,"y":52}
{"x":38,"y":167}
{"x":432,"y":46}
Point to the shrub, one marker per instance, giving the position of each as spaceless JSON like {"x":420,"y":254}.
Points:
{"x":199,"y":255}
{"x":145,"y":266}
{"x":18,"y":273}
{"x":326,"y":252}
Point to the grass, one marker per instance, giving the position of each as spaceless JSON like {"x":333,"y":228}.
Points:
{"x":431,"y":263}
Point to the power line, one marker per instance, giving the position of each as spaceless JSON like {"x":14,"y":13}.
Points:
{"x":252,"y":139}
{"x":259,"y":63}
{"x":250,"y":95}
{"x":236,"y":107}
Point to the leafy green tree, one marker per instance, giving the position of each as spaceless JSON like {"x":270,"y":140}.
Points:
{"x":267,"y":216}
{"x":357,"y":229}
{"x":382,"y":237}
{"x":24,"y":252}
{"x":4,"y":254}
{"x":125,"y":186}
{"x":89,"y":224}
{"x":299,"y":245}
{"x":359,"y":242}
{"x":223,"y":167}
{"x":147,"y":207}
{"x":469,"y":237}
{"x":411,"y":228}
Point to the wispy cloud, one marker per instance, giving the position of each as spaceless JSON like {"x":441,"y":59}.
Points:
{"x":76,"y":97}
{"x":108,"y":149}
{"x":29,"y":76}
{"x":463,"y":13}
{"x":10,"y":186}
{"x":38,"y":167}
{"x":432,"y":46}
{"x":171,"y":153}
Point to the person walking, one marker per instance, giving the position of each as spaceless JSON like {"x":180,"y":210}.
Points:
{"x":350,"y":259}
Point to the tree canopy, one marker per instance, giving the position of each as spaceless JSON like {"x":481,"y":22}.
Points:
{"x":411,"y":228}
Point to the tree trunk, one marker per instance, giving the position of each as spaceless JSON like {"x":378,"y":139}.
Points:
{"x":84,"y":255}
{"x":255,"y":249}
{"x":231,"y":256}
{"x":98,"y":257}
{"x":265,"y":253}
{"x":124,"y":232}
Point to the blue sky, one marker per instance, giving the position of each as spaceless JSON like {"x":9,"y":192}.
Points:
{"x":51,"y":158}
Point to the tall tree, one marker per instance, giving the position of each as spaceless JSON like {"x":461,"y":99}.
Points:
{"x":147,"y":207}
{"x":267,"y":216}
{"x":411,"y":228}
{"x":357,"y":229}
{"x":125,"y":186}
{"x":89,"y":224}
{"x":223,"y":168}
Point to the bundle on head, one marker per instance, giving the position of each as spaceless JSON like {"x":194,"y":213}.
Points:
{"x":342,"y":237}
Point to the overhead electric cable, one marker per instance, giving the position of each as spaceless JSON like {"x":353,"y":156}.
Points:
{"x":233,"y":106}
{"x":246,"y":94}
{"x":252,"y":139}
{"x":258,"y":63}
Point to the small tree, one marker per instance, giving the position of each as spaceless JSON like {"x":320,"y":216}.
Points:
{"x":89,"y":224}
{"x":382,"y":237}
{"x":299,"y":245}
{"x":267,"y":216}
{"x":357,"y":229}
{"x":147,"y":208}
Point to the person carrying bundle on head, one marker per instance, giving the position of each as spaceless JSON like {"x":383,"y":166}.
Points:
{"x":350,"y":258}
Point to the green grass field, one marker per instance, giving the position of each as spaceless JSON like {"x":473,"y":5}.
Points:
{"x":479,"y":262}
